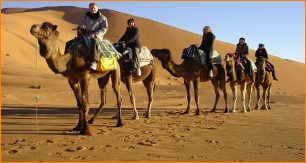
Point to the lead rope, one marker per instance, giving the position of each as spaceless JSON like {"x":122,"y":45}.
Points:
{"x":36,"y":86}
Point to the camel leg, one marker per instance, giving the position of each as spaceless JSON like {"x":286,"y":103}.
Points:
{"x":196,"y":95}
{"x":215,"y":84}
{"x":257,"y":86}
{"x":269,"y":95}
{"x":226,"y":110}
{"x":242,"y":90}
{"x":129,"y":87}
{"x":264,"y":96}
{"x":77,"y":93}
{"x":102,"y":82}
{"x":85,"y":107}
{"x":234,"y":93}
{"x":187,"y":85}
{"x":249,"y":93}
{"x":116,"y":83}
{"x":150,"y":90}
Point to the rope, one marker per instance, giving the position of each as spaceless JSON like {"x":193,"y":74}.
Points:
{"x":36,"y":87}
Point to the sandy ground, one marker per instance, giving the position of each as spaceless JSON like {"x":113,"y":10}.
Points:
{"x":259,"y":135}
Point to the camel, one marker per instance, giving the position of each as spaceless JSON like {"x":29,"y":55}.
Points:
{"x":74,"y":67}
{"x":190,"y":70}
{"x":263,"y":78}
{"x":148,"y":73}
{"x":237,"y":76}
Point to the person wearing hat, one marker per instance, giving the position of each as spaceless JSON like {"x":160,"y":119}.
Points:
{"x":242,"y":49}
{"x":131,"y":39}
{"x":207,"y":43}
{"x":261,"y":52}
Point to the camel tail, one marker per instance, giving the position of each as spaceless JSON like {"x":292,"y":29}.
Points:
{"x":221,"y":76}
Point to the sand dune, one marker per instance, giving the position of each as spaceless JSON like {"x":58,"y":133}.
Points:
{"x":274,"y":135}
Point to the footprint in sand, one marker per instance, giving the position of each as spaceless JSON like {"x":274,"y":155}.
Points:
{"x":13,"y":151}
{"x":55,"y":154}
{"x":77,"y":158}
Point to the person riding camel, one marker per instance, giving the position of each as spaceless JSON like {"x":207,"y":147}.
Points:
{"x":261,"y":52}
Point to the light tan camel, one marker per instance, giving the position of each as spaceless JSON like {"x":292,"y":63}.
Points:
{"x":73,"y":66}
{"x":263,"y":78}
{"x":190,"y":71}
{"x":237,"y":76}
{"x":128,"y":77}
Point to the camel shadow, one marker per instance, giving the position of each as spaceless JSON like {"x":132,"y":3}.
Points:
{"x":44,"y":120}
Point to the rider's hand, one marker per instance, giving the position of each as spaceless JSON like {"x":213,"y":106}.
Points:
{"x":82,"y":26}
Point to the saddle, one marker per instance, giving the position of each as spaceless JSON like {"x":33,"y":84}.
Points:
{"x":105,"y":48}
{"x":199,"y":55}
{"x":241,"y":62}
{"x":145,"y":56}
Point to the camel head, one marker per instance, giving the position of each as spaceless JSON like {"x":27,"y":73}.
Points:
{"x":260,"y":64}
{"x":164,"y":55}
{"x":44,"y":31}
{"x":229,"y":60}
{"x":229,"y":57}
{"x":47,"y":37}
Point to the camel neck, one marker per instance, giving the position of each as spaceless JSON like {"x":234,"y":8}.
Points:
{"x":57,"y":62}
{"x":175,"y":69}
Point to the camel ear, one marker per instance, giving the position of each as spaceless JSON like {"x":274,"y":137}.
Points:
{"x":54,"y":27}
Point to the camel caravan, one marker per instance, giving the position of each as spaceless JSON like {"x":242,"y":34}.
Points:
{"x":116,"y":63}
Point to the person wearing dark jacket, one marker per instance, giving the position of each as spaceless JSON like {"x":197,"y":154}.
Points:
{"x":131,"y":40}
{"x":242,"y":49}
{"x":207,"y":43}
{"x":261,"y":52}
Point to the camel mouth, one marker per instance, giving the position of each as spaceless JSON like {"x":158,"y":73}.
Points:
{"x":33,"y":32}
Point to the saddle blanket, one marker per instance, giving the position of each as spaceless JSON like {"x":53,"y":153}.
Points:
{"x":145,"y":56}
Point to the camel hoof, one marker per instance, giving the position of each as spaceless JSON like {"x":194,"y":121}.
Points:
{"x":76,"y":129}
{"x":226,"y":110}
{"x":119,"y":123}
{"x":256,"y":108}
{"x":263,"y":108}
{"x":85,"y":131}
{"x":186,"y":111}
{"x":91,"y":121}
{"x":232,"y":111}
{"x":135,"y":117}
{"x":147,"y":116}
{"x":243,"y":111}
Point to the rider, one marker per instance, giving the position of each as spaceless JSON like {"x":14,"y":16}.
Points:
{"x":207,"y":43}
{"x":243,"y":50}
{"x":131,"y":39}
{"x":95,"y":25}
{"x":261,"y":52}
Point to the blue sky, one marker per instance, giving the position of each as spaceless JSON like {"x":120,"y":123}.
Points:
{"x":279,"y":25}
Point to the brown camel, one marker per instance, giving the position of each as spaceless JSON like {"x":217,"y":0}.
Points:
{"x":74,"y":67}
{"x":237,"y":76}
{"x":263,"y":78}
{"x":148,"y":73}
{"x":190,"y":71}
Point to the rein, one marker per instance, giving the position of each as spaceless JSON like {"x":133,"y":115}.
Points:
{"x":36,"y":86}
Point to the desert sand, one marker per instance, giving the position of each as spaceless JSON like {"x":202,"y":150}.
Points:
{"x":40,"y":130}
